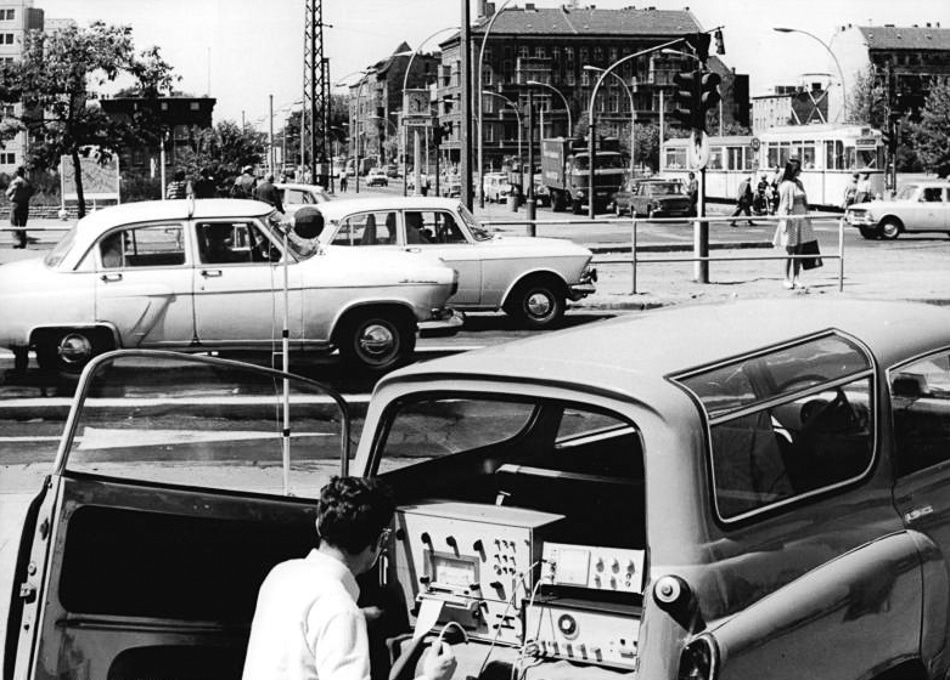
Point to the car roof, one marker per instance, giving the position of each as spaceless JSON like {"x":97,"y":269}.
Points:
{"x":301,"y":186}
{"x":341,"y":207}
{"x":632,"y":356}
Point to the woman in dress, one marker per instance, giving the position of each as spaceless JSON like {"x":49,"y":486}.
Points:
{"x":791,"y":233}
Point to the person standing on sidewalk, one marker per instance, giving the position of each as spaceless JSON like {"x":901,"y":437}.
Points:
{"x":178,"y":187}
{"x":19,"y":192}
{"x":791,"y":233}
{"x":692,"y":190}
{"x":744,"y":200}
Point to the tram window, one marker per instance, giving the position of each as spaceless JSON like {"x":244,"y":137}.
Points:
{"x":735,"y":158}
{"x":715,"y":158}
{"x":868,"y":158}
{"x":675,"y":159}
{"x":849,"y":157}
{"x":808,"y":156}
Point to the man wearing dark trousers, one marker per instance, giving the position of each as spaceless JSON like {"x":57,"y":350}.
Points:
{"x":19,"y":193}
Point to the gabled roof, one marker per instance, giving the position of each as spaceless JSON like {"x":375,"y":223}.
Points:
{"x":590,"y":22}
{"x":905,"y":38}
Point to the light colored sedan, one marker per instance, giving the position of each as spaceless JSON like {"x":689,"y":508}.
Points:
{"x":529,"y":278}
{"x":918,"y":206}
{"x":295,"y":195}
{"x":215,"y":274}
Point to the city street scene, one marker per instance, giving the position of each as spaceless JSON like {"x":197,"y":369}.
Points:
{"x":474,"y":340}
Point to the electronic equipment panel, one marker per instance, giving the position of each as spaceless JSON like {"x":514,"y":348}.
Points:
{"x":584,"y":632}
{"x":470,"y":563}
{"x":592,"y":567}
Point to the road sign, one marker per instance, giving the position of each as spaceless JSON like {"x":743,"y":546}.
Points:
{"x":697,"y":152}
{"x":410,"y":121}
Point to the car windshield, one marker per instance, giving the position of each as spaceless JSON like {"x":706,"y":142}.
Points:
{"x":906,"y":192}
{"x":664,"y":189}
{"x":56,"y":255}
{"x":479,"y":232}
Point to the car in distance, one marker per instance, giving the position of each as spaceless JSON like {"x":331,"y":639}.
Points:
{"x":652,"y":198}
{"x":205,"y":275}
{"x":529,"y":278}
{"x":497,"y":187}
{"x":917,"y":207}
{"x":377,"y":178}
{"x":294,"y":195}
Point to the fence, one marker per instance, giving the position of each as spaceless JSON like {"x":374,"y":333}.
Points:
{"x":700,"y":258}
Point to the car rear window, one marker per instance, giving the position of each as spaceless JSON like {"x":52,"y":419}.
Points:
{"x":786,"y":424}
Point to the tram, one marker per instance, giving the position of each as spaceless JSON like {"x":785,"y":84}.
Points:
{"x":830,"y":155}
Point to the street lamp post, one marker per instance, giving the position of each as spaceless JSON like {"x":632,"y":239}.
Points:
{"x":478,"y":88}
{"x":520,"y":126}
{"x":633,"y":112}
{"x":591,"y":153}
{"x":567,"y":106}
{"x":844,"y":91}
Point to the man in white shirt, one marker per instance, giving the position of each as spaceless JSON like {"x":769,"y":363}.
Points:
{"x":307,"y":624}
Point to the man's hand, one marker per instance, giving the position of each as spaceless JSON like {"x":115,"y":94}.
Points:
{"x":440,"y":662}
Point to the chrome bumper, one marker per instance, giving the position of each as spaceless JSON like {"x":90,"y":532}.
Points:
{"x":585,"y":286}
{"x":444,"y":323}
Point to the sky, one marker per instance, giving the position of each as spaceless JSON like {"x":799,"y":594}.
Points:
{"x":243,"y":52}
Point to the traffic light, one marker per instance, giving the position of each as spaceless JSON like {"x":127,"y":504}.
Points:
{"x":720,"y":45}
{"x":687,"y":98}
{"x":710,"y":96}
{"x":700,"y":44}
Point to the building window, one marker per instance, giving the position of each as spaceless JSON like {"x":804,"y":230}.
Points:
{"x":7,"y":158}
{"x":7,"y":14}
{"x":569,"y":54}
{"x":539,"y":52}
{"x":598,"y":55}
{"x":195,"y":106}
{"x":523,"y":52}
{"x":486,"y":76}
{"x":6,"y":38}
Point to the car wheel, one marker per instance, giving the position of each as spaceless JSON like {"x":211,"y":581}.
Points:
{"x":889,"y":228}
{"x":376,"y":341}
{"x":67,"y":352}
{"x":868,"y":233}
{"x":537,"y":303}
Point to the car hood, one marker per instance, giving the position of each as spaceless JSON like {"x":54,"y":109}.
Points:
{"x":532,"y":245}
{"x":17,"y":275}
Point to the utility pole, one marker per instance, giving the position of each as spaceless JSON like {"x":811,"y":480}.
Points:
{"x":465,"y":97}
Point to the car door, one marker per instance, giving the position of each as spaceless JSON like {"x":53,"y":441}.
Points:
{"x":239,"y":286}
{"x":144,"y":284}
{"x":173,"y":496}
{"x":932,"y":210}
{"x":441,"y":234}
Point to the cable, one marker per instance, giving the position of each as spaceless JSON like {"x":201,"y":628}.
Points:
{"x":508,"y":606}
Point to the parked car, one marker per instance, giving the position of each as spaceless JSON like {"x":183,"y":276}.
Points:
{"x":295,"y":195}
{"x":652,"y":198}
{"x":393,"y":171}
{"x":206,"y":275}
{"x":754,"y":489}
{"x":529,"y":278}
{"x":917,"y":207}
{"x":377,"y":178}
{"x":496,"y":187}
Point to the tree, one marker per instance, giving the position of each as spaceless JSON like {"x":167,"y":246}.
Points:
{"x":931,"y":134}
{"x":57,"y":82}
{"x":867,"y":101}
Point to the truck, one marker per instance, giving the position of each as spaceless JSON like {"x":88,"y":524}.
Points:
{"x":565,"y":167}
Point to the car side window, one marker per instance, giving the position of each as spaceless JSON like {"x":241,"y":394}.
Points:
{"x":445,"y":229}
{"x":367,"y":229}
{"x":152,"y":246}
{"x":420,"y":227}
{"x":920,"y":407}
{"x":230,"y":242}
{"x":933,"y":195}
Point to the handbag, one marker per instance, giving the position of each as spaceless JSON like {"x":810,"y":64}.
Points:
{"x":810,"y":248}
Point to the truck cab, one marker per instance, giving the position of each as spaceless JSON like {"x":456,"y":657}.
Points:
{"x":565,"y":165}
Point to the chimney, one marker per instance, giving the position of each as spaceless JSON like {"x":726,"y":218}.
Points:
{"x":487,"y":9}
{"x":529,"y":7}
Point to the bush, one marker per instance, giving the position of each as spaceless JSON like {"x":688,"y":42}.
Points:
{"x":140,"y":188}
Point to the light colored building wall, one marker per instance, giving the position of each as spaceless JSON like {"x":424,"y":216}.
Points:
{"x":851,"y":49}
{"x":13,"y":27}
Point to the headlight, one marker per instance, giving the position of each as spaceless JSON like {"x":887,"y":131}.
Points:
{"x":699,"y":660}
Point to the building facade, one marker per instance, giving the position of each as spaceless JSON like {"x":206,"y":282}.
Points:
{"x":16,"y":18}
{"x":554,"y":54}
{"x":901,"y":59}
{"x":791,"y":105}
{"x":376,"y":102}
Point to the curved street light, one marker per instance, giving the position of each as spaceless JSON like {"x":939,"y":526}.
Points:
{"x":567,"y":107}
{"x":355,"y":124}
{"x":520,"y":126}
{"x":478,"y":88}
{"x":633,"y":112}
{"x":591,"y":153}
{"x":405,"y":84}
{"x":844,"y":91}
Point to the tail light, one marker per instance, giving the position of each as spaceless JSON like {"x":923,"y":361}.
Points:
{"x":699,"y":660}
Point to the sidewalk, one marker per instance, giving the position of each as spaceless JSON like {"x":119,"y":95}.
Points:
{"x":910,"y":268}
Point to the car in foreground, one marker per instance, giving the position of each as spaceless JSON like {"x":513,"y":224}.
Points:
{"x":917,"y":207}
{"x":529,"y":278}
{"x":215,"y":274}
{"x":377,"y":178}
{"x":745,"y":490}
{"x":652,"y":198}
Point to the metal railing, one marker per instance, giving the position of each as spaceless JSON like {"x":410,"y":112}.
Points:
{"x":700,"y":258}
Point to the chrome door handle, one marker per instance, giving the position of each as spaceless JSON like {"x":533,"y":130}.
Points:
{"x":413,"y":250}
{"x":211,"y":273}
{"x":111,"y":277}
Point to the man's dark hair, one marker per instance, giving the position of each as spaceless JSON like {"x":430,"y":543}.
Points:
{"x":353,"y":511}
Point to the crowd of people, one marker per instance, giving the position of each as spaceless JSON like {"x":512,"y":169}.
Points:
{"x":246,"y":185}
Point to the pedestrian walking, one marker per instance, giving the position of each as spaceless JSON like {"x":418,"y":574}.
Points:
{"x":850,"y":191}
{"x":744,"y":200}
{"x":243,"y":186}
{"x":792,"y":233}
{"x":178,"y":187}
{"x":307,"y":624}
{"x":424,"y":185}
{"x":266,"y":191}
{"x":692,"y":190}
{"x":19,"y":192}
{"x":203,"y":186}
{"x":863,"y":192}
{"x":344,"y":180}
